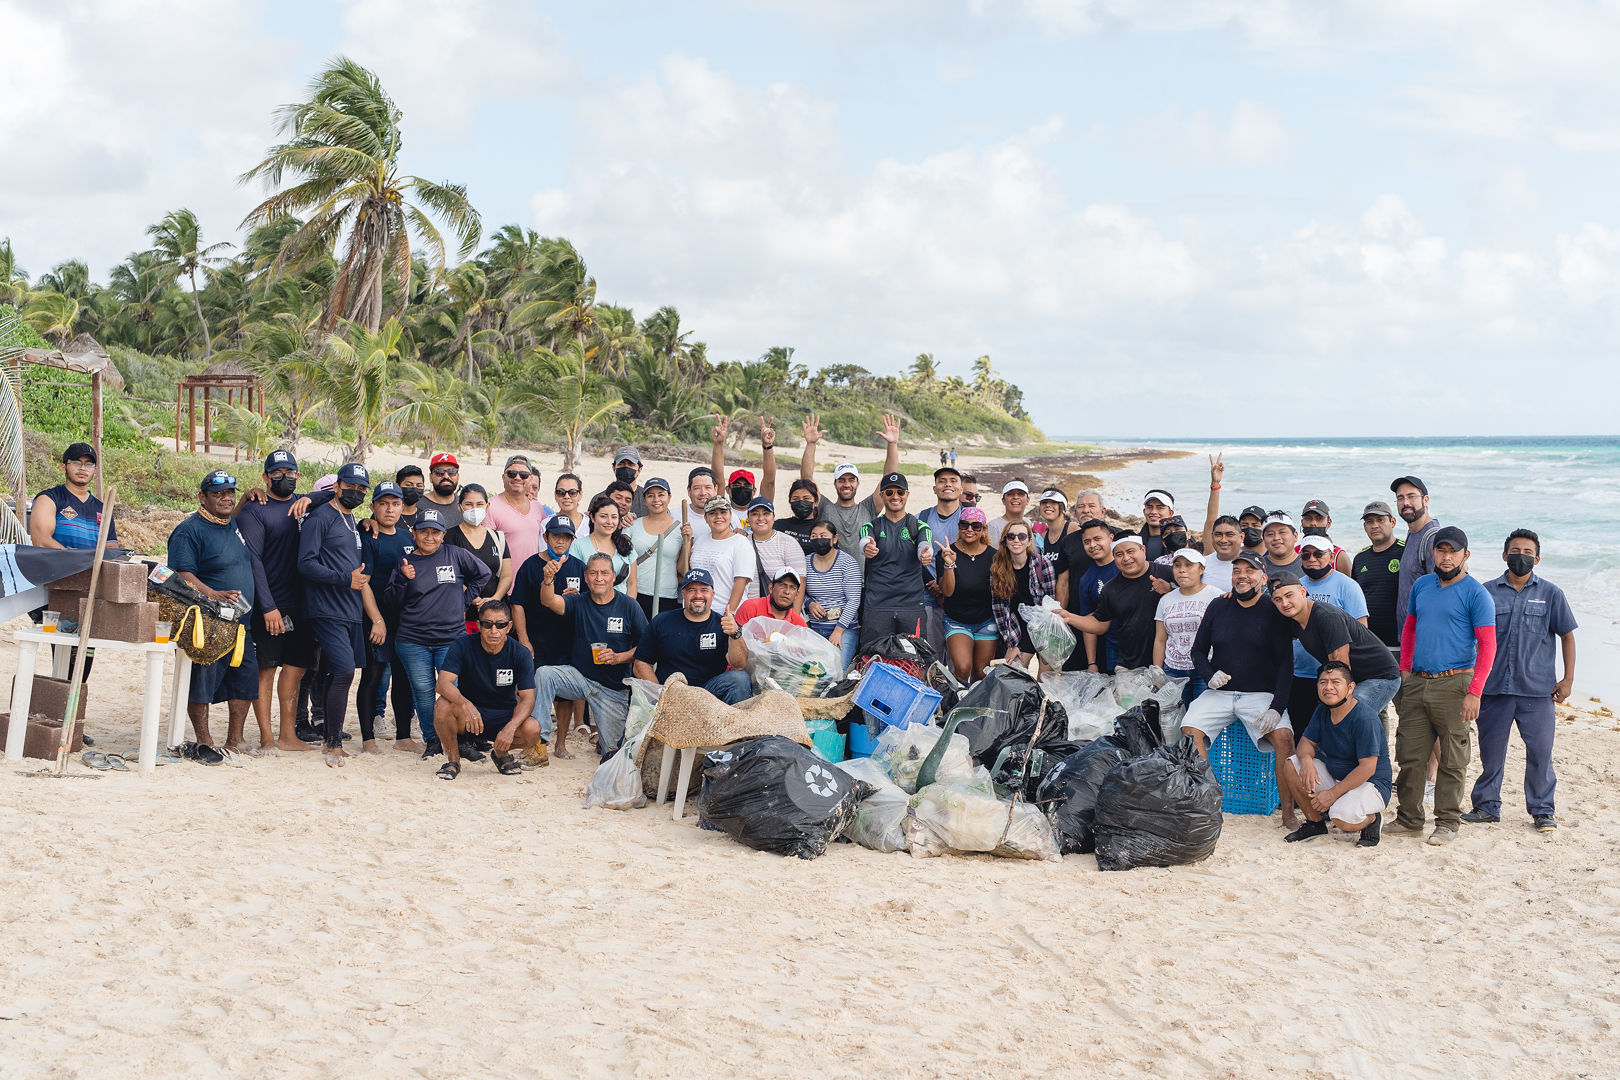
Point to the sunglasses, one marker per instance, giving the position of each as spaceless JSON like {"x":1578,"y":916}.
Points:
{"x":513,"y":474}
{"x":492,"y":625}
{"x":970,"y":525}
{"x":970,"y":497}
{"x":563,"y":493}
{"x":446,"y":471}
{"x":1015,"y":536}
{"x":220,"y":482}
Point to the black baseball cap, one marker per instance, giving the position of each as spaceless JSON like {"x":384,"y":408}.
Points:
{"x":217,"y":480}
{"x":1253,"y":558}
{"x":1253,"y":511}
{"x":895,"y":480}
{"x":1450,"y":534}
{"x":1414,"y":481}
{"x":280,"y":459}
{"x":943,"y":469}
{"x":80,"y":450}
{"x":1284,"y":576}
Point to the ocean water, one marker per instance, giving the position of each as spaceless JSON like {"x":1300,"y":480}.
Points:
{"x":1566,"y":489}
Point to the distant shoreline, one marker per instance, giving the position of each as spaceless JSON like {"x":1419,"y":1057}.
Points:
{"x":1069,"y":473}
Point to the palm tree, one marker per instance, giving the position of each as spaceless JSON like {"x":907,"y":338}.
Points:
{"x":177,"y":243}
{"x":617,"y":338}
{"x":290,"y":355}
{"x":567,"y":395}
{"x":427,"y":404}
{"x":923,"y":370}
{"x":469,"y":305}
{"x":982,"y":374}
{"x":71,"y":278}
{"x":343,"y":153}
{"x":565,"y":296}
{"x":55,"y":315}
{"x":358,"y":379}
{"x":650,"y":395}
{"x":514,"y":253}
{"x":143,"y":315}
{"x":487,"y":420}
{"x":13,"y":278}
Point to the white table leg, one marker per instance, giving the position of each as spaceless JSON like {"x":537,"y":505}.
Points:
{"x":151,"y":712}
{"x":61,"y":661}
{"x":22,"y":694}
{"x":684,"y":780}
{"x":663,"y":775}
{"x":177,"y":697}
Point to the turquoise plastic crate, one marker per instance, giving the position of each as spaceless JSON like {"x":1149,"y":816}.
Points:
{"x":895,"y":698}
{"x":1248,"y":778}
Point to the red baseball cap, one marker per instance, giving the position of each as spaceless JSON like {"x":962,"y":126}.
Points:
{"x":444,"y":459}
{"x":740,"y":474}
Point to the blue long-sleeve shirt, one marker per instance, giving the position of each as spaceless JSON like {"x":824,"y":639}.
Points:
{"x":328,"y":556}
{"x":432,"y":605}
{"x":1254,"y":645}
{"x":271,"y":535}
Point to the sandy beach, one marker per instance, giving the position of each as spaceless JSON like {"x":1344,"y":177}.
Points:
{"x":284,"y":919}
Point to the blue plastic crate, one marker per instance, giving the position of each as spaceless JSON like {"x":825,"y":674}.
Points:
{"x":895,"y":698}
{"x":1248,"y":778}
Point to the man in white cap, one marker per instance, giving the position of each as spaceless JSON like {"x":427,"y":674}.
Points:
{"x":1157,"y":505}
{"x":847,"y":513}
{"x":1281,"y":538}
{"x":1014,"y":501}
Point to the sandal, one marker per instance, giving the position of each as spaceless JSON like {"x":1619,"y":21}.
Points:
{"x":116,"y":763}
{"x":96,"y":760}
{"x":449,"y":770}
{"x":508,"y":765}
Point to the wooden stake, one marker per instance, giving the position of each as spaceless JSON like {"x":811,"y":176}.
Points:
{"x":70,"y":722}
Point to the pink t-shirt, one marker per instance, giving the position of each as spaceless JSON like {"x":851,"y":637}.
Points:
{"x":520,"y":531}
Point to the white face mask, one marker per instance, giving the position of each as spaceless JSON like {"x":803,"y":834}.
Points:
{"x":475,"y":516}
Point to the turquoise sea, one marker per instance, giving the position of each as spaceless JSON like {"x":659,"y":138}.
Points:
{"x":1567,"y":489}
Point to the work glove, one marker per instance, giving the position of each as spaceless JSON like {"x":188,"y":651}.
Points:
{"x":1218,"y":680}
{"x":1269,"y":720}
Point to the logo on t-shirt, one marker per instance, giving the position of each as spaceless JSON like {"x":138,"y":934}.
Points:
{"x":571,"y":583}
{"x":1394,"y":566}
{"x":708,"y":641}
{"x":615,"y":625}
{"x":446,"y":573}
{"x":503,"y":676}
{"x":69,"y":513}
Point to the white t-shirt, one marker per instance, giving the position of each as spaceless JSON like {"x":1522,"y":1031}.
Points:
{"x":1218,"y":573}
{"x":1181,"y":615}
{"x":725,"y":560}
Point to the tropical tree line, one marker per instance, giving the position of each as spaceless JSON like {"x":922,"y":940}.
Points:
{"x":362,"y":300}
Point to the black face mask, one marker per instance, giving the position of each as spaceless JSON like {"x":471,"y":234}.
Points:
{"x":624,"y":475}
{"x":1520,"y":565}
{"x":1314,"y":530}
{"x":741,"y":495}
{"x":352,"y":498}
{"x":1447,"y":575}
{"x":283,"y":486}
{"x":412,"y":496}
{"x":1245,"y":595}
{"x":1318,"y":573}
{"x":802,"y":508}
{"x":820,"y":545}
{"x":1175,"y":541}
{"x":1251,"y":538}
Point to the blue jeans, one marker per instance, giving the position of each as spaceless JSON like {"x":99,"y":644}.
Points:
{"x":421,"y":664}
{"x":731,"y":687}
{"x":1534,"y":715}
{"x":1194,"y":687}
{"x":1376,"y":694}
{"x":847,"y":645}
{"x":609,"y":707}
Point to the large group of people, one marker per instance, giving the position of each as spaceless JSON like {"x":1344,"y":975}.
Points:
{"x":494,"y":624}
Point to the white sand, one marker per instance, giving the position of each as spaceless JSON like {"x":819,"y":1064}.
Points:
{"x":288,"y":920}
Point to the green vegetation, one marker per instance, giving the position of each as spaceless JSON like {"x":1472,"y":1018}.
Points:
{"x":342,"y":301}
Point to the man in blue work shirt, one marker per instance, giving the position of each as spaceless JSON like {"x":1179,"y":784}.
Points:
{"x":1530,"y":613}
{"x":207,"y":552}
{"x":330,"y":562}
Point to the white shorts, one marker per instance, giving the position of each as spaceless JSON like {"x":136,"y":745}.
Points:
{"x":1357,"y":804}
{"x":1214,"y":710}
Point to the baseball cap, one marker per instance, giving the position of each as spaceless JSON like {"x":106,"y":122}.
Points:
{"x":760,"y":502}
{"x":1450,"y":534}
{"x":627,"y":453}
{"x":517,"y":457}
{"x":655,"y":482}
{"x":325,"y":483}
{"x":782,"y":572}
{"x":354,"y":473}
{"x":217,"y":480}
{"x":719,"y":502}
{"x":79,"y":450}
{"x":443,"y":459}
{"x":428,"y":518}
{"x":1284,"y":576}
{"x":1258,"y":512}
{"x":1160,"y":494}
{"x":1253,"y":558}
{"x":1414,"y":481}
{"x":846,"y":469}
{"x":740,"y":474}
{"x":1278,"y":517}
{"x":1320,"y":543}
{"x":973,"y":514}
{"x":280,"y":459}
{"x":1054,"y":495}
{"x":1377,"y":508}
{"x":1014,"y":485}
{"x":387,"y":487}
{"x":894,"y":480}
{"x":1126,"y":538}
{"x":1315,"y":506}
{"x":943,"y":469}
{"x":1190,"y":554}
{"x":560,"y":524}
{"x":697,"y":576}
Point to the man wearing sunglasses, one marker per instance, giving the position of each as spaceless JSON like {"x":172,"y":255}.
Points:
{"x":513,"y":514}
{"x":970,"y":489}
{"x":486,"y":687}
{"x":895,"y":544}
{"x":444,"y":481}
{"x":331,"y":563}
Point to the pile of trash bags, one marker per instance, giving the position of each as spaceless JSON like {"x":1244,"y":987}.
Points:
{"x":1092,"y":700}
{"x":616,"y":783}
{"x":772,"y":794}
{"x":796,"y":659}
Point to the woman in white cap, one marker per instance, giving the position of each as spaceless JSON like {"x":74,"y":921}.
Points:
{"x":1177,"y":617}
{"x":1014,"y":501}
{"x":1052,"y":523}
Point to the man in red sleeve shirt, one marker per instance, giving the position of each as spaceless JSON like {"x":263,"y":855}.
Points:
{"x":775,"y":604}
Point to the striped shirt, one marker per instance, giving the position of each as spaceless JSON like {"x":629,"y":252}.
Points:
{"x":77,"y":520}
{"x":837,"y":589}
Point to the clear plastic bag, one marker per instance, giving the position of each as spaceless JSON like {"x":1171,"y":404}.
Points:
{"x":1133,"y":687}
{"x":964,"y":818}
{"x":1050,"y":635}
{"x":1088,"y":698}
{"x":880,"y":819}
{"x":791,"y":658}
{"x":616,"y":783}
{"x":901,"y":751}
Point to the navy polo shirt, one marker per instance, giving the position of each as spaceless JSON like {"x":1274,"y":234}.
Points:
{"x":1528,"y":622}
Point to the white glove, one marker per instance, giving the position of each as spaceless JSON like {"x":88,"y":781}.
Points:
{"x":1269,"y":721}
{"x":1218,"y":680}
{"x":1120,"y":669}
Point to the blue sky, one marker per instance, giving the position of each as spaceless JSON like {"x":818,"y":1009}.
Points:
{"x":1226,"y":218}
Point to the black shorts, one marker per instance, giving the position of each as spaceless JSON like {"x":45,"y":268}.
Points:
{"x":342,"y":645}
{"x":295,"y":648}
{"x":217,"y":682}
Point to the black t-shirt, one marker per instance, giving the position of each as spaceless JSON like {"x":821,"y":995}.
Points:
{"x":551,"y":635}
{"x":489,"y":553}
{"x":379,"y":555}
{"x":1130,"y":604}
{"x":675,"y":643}
{"x":490,"y":681}
{"x":619,"y":624}
{"x":970,"y":603}
{"x":1071,"y":556}
{"x":796,"y":528}
{"x":216,"y":554}
{"x":1020,"y":597}
{"x":1379,"y":575}
{"x":1331,"y":627}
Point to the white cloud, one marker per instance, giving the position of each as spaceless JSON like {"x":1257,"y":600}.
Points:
{"x":1255,"y":135}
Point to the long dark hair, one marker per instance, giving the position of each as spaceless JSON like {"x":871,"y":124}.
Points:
{"x":621,"y":542}
{"x":1003,"y":576}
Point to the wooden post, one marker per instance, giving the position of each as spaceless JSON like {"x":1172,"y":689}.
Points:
{"x":191,"y":419}
{"x":208,"y":419}
{"x":70,"y":721}
{"x":177,"y":393}
{"x":95,"y":432}
{"x":21,"y":494}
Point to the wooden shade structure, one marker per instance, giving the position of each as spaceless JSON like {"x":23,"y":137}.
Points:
{"x":83,"y":354}
{"x":239,"y":386}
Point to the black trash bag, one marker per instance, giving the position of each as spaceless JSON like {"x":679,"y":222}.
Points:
{"x":903,"y":647}
{"x":1068,"y":792}
{"x":1162,"y":809}
{"x":1137,"y":730}
{"x":772,"y":794}
{"x":1013,"y":701}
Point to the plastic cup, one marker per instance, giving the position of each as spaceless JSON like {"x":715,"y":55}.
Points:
{"x":162,"y":633}
{"x":50,"y":621}
{"x":599,"y":649}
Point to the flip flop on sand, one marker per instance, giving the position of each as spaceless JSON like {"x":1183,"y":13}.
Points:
{"x":506,"y":766}
{"x":449,"y":770}
{"x":95,"y":759}
{"x":116,"y":763}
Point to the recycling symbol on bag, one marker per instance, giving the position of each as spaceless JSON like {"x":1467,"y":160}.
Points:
{"x":821,"y":781}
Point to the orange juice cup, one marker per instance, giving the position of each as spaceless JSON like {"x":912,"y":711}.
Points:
{"x":162,"y":636}
{"x":50,"y":621}
{"x":599,"y":651}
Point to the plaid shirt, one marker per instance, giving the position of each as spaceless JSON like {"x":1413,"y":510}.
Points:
{"x":1040,"y":585}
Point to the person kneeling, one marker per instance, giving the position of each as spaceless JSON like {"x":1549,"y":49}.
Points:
{"x":486,"y":684}
{"x":690,"y":640}
{"x":1351,"y":779}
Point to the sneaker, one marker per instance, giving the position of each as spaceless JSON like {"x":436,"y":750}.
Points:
{"x":1369,"y":835}
{"x":1406,"y":830}
{"x":308,"y":734}
{"x":1480,"y":817}
{"x":469,"y":750}
{"x":201,"y":753}
{"x":1307,"y":831}
{"x":432,"y":750}
{"x":1441,"y":836}
{"x":1546,"y":823}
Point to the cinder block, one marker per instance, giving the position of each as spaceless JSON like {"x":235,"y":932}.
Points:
{"x":122,"y":622}
{"x":123,"y":582}
{"x":79,"y":583}
{"x":65,"y":602}
{"x":43,"y":737}
{"x":50,"y":697}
